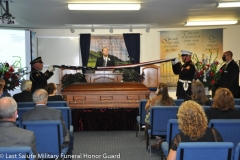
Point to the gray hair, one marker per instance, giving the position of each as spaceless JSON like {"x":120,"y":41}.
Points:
{"x":40,"y":95}
{"x":8,"y":107}
{"x":26,"y":84}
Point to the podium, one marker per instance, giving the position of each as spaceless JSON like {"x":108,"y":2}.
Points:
{"x":103,"y":76}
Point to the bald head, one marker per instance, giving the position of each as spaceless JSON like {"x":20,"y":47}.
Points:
{"x":40,"y":96}
{"x":8,"y":109}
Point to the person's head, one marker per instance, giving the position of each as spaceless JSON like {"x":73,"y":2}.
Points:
{"x":186,"y":56}
{"x":2,"y":82}
{"x":227,"y":56}
{"x":105,"y":51}
{"x":198,"y":92}
{"x":162,"y":89}
{"x":40,"y":96}
{"x":223,"y":99}
{"x":51,"y":88}
{"x":8,"y":109}
{"x":37,"y":63}
{"x":192,"y":120}
{"x":26,"y":85}
{"x":1,"y":89}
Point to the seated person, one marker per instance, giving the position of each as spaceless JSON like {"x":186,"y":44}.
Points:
{"x":11,"y":135}
{"x":42,"y":112}
{"x":51,"y":89}
{"x":192,"y":122}
{"x":161,"y":99}
{"x":5,"y":92}
{"x":198,"y":94}
{"x":223,"y":106}
{"x":105,"y":60}
{"x":26,"y":94}
{"x":1,"y":90}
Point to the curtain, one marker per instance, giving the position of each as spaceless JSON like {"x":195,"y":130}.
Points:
{"x":132,"y":42}
{"x":85,"y":48}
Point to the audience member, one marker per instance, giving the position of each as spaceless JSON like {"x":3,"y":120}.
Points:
{"x":223,"y":106}
{"x":39,"y":79}
{"x":5,"y":92}
{"x":51,"y":88}
{"x":42,"y":112}
{"x":11,"y":135}
{"x":198,"y":94}
{"x":192,"y":122}
{"x":161,"y":99}
{"x":26,"y":94}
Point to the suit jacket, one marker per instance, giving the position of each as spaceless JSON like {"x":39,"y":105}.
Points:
{"x":11,"y":135}
{"x":24,"y":96}
{"x":230,"y":78}
{"x":42,"y":112}
{"x":39,"y":79}
{"x":5,"y":94}
{"x":100,"y":61}
{"x":55,"y":98}
{"x":185,"y":72}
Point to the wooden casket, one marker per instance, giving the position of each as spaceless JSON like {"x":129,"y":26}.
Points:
{"x":105,"y":95}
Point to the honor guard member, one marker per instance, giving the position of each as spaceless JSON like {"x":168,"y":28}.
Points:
{"x":186,"y":73}
{"x":39,"y":79}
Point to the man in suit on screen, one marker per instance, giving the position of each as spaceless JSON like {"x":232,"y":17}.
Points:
{"x":105,"y":60}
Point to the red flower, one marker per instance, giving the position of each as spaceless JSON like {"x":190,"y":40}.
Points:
{"x":220,"y":71}
{"x":7,"y":75}
{"x":211,"y":74}
{"x":198,"y":75}
{"x":213,"y":81}
{"x":16,"y":84}
{"x":11,"y":69}
{"x":208,"y":65}
{"x":216,"y":62}
{"x":201,"y":72}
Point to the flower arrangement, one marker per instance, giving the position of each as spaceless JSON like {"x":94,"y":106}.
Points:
{"x":12,"y":74}
{"x":68,"y":79}
{"x":207,"y":70}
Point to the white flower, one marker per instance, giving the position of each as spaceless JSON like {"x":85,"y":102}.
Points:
{"x":204,"y":79}
{"x":8,"y":85}
{"x":109,"y":59}
{"x":10,"y":79}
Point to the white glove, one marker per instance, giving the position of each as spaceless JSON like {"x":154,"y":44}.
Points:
{"x":175,"y":61}
{"x":51,"y":68}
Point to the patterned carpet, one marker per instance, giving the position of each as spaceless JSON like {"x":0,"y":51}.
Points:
{"x":122,"y":145}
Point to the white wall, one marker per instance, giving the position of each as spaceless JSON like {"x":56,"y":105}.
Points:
{"x":150,"y":42}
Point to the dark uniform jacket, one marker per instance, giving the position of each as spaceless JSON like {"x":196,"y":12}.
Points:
{"x":11,"y":135}
{"x":24,"y":96}
{"x":42,"y":112}
{"x":39,"y":79}
{"x":230,"y":78}
{"x":110,"y":62}
{"x":185,"y":72}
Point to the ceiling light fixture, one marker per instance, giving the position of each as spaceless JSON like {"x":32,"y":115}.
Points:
{"x":104,"y":6}
{"x":111,"y":30}
{"x":228,"y":4}
{"x":130,"y":29}
{"x":92,"y":29}
{"x":206,"y":23}
{"x":147,"y":29}
{"x":72,"y":30}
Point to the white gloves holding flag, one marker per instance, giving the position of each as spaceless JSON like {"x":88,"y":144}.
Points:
{"x":51,"y":68}
{"x":175,"y":61}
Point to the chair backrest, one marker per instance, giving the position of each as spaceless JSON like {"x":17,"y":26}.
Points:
{"x":237,"y":150}
{"x":237,"y":101}
{"x":172,"y":130}
{"x":18,"y":153}
{"x":49,"y":136}
{"x":49,"y":104}
{"x":206,"y":107}
{"x":142,"y":111}
{"x":205,"y":151}
{"x":228,"y":128}
{"x":237,"y":107}
{"x":178,"y":102}
{"x":159,"y":117}
{"x":66,"y":113}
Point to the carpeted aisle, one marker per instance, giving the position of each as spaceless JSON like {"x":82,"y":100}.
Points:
{"x":122,"y":145}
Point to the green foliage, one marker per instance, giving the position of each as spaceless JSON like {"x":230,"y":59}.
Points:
{"x":130,"y":75}
{"x":68,"y":79}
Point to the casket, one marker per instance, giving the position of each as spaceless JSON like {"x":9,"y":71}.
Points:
{"x":105,"y":95}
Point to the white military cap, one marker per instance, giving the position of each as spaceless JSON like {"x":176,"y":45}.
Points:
{"x":185,"y":53}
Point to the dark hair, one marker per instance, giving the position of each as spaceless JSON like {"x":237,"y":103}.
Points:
{"x":50,"y":88}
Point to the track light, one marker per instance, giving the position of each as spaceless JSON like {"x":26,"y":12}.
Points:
{"x":147,"y":29}
{"x":72,"y":30}
{"x":92,"y":29}
{"x":130,"y":29}
{"x":111,"y":30}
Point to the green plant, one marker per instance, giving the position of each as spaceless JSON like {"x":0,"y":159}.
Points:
{"x":130,"y":75}
{"x":68,"y":79}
